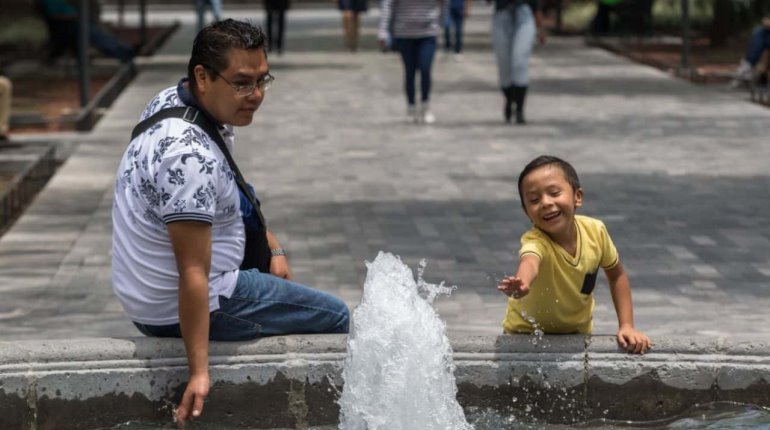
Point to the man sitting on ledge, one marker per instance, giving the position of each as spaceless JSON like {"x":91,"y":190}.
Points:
{"x":759,"y":43}
{"x":179,"y":237}
{"x":61,"y":18}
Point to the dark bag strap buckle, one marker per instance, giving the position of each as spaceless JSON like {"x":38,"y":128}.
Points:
{"x":190,"y":114}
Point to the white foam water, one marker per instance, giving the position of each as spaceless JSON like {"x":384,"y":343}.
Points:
{"x":399,"y":373}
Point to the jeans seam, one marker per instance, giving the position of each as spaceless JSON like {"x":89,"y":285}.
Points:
{"x":258,"y":325}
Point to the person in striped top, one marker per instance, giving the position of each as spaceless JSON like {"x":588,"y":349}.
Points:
{"x":412,"y":27}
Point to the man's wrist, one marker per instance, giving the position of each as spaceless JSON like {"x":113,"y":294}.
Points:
{"x":277,"y":252}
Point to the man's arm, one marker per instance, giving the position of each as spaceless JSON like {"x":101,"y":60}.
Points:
{"x":279,"y":264}
{"x":191,"y":241}
{"x":629,"y":338}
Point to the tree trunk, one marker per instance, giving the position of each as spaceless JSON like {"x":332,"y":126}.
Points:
{"x":721,"y":25}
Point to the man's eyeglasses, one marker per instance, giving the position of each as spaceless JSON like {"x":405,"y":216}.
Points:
{"x":244,"y":90}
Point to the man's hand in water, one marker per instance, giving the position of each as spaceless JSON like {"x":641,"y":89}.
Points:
{"x":191,"y":405}
{"x":513,"y":286}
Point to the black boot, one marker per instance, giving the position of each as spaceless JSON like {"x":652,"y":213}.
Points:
{"x":519,"y":95}
{"x":507,"y":106}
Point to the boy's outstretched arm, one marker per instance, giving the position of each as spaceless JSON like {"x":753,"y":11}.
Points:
{"x":518,"y":286}
{"x":629,"y":338}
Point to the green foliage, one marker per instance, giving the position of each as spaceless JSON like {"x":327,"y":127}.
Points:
{"x":667,"y":14}
{"x":577,"y":16}
{"x":22,"y":31}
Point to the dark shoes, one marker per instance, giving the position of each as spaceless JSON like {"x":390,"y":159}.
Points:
{"x":507,"y":107}
{"x":514,"y":95}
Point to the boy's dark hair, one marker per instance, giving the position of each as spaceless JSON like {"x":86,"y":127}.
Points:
{"x":544,"y":160}
{"x":212,"y":44}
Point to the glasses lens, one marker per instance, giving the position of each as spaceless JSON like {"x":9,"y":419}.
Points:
{"x":266,"y":82}
{"x":263,"y":84}
{"x":245,"y":90}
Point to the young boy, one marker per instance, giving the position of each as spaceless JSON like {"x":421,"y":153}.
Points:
{"x":559,"y":260}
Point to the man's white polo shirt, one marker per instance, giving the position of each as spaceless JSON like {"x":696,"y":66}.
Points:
{"x":172,"y":172}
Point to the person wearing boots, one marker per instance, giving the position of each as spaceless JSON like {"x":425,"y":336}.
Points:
{"x":514,"y":26}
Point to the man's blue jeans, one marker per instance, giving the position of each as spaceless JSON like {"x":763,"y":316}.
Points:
{"x":265,"y":305}
{"x":759,"y":42}
{"x":417,"y":54}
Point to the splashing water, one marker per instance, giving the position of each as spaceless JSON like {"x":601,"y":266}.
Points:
{"x":399,"y":373}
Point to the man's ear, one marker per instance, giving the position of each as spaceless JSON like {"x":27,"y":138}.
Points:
{"x":579,"y":197}
{"x":202,"y":79}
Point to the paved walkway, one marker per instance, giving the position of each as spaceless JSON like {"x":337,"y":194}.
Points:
{"x":678,"y":172}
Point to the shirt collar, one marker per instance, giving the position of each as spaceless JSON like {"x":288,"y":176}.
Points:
{"x":189,"y":100}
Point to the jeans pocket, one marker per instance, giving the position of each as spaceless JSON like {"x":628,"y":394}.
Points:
{"x":228,"y":327}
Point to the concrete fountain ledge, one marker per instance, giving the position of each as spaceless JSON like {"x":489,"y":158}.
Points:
{"x":294,"y":381}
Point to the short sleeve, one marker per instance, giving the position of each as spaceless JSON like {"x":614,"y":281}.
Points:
{"x":533,"y":243}
{"x":187,"y":187}
{"x":610,"y":256}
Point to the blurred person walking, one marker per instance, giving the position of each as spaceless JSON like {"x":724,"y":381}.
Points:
{"x":458,"y":11}
{"x":515,"y":24}
{"x":412,"y":26}
{"x":200,"y":9}
{"x":351,"y":20}
{"x":275,"y":23}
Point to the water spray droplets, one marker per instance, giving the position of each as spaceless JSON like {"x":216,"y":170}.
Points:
{"x":399,"y":370}
{"x":427,"y":290}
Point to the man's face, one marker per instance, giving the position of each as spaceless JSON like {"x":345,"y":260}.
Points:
{"x":219,"y":97}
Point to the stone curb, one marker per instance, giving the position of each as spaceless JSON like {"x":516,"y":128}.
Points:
{"x":294,"y":381}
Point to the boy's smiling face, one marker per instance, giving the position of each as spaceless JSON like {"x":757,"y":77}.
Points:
{"x":550,"y":201}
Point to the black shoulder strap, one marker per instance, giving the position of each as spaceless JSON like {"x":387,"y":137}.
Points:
{"x":175,"y":112}
{"x":194,"y":116}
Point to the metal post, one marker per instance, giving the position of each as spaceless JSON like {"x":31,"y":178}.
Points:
{"x":121,"y":12}
{"x":686,"y":42}
{"x":143,"y":21}
{"x":83,"y":46}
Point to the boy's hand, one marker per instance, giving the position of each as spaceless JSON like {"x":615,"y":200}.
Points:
{"x":633,"y":341}
{"x":513,"y":286}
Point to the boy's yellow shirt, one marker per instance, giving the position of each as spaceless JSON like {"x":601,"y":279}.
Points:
{"x":561,"y":298}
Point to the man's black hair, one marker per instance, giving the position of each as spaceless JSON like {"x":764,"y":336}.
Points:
{"x":212,"y":44}
{"x":544,"y":160}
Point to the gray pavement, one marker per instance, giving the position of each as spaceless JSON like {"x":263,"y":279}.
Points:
{"x":677,"y":172}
